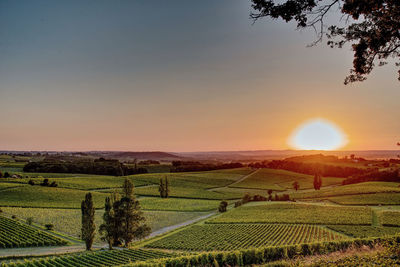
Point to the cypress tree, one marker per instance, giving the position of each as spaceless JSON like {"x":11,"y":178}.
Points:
{"x":88,"y":225}
{"x":161,"y":188}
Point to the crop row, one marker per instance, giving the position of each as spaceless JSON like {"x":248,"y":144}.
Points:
{"x":99,"y":258}
{"x":226,"y":237}
{"x":15,"y":234}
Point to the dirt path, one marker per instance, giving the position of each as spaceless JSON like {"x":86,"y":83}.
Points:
{"x":235,"y":182}
{"x":173,"y":227}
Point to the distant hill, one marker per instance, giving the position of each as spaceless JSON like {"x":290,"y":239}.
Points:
{"x":156,"y":155}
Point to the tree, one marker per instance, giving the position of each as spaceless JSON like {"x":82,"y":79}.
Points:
{"x":371,"y":27}
{"x":317,"y":181}
{"x":88,"y":225}
{"x":107,"y":229}
{"x":270,"y":194}
{"x":130,"y":220}
{"x":164,"y":187}
{"x":1,"y":174}
{"x":6,"y":175}
{"x":296,"y":185}
{"x":222,"y":206}
{"x":45,"y":182}
{"x":161,"y":188}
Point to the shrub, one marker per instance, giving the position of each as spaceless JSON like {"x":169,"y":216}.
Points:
{"x":13,"y":217}
{"x":53,"y":184}
{"x":222,"y":206}
{"x":49,"y":226}
{"x":31,"y":182}
{"x":29,"y":220}
{"x":6,"y":175}
{"x":238,"y":203}
{"x":45,"y":182}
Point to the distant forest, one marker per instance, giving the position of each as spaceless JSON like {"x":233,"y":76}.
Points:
{"x":191,"y":166}
{"x":99,"y":166}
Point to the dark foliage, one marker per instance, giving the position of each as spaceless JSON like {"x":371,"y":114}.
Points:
{"x":88,"y":225}
{"x":188,"y":166}
{"x":98,"y":166}
{"x":386,"y":176}
{"x":164,"y":187}
{"x":372,"y":27}
{"x":326,"y":170}
{"x":222,"y":206}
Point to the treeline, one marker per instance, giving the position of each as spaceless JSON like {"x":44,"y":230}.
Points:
{"x":99,"y":166}
{"x":261,"y":256}
{"x":384,"y":176}
{"x":193,"y":166}
{"x":326,"y":170}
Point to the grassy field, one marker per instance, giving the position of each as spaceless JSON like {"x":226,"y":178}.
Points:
{"x":43,"y":197}
{"x":210,"y":237}
{"x":178,"y":204}
{"x":68,"y":221}
{"x":389,"y":218}
{"x":365,"y":231}
{"x":14,"y":234}
{"x":367,"y":199}
{"x":189,"y":192}
{"x":352,"y":189}
{"x":281,"y":180}
{"x":279,"y":212}
{"x":99,"y":258}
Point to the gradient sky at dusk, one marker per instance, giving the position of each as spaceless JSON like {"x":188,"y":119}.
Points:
{"x":176,"y":76}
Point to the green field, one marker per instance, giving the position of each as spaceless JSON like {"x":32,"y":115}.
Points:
{"x":101,"y":258}
{"x":390,"y":218}
{"x":68,"y":221}
{"x":14,"y":234}
{"x":178,"y":204}
{"x":365,"y":231}
{"x":47,"y":197}
{"x":209,"y":237}
{"x":352,"y":189}
{"x":279,"y":212}
{"x":281,"y":180}
{"x":367,"y":199}
{"x":188,"y":192}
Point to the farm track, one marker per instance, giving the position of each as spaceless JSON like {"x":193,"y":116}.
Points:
{"x":173,"y":227}
{"x":235,"y":182}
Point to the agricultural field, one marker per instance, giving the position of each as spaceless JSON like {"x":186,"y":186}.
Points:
{"x":197,"y":194}
{"x":101,"y":258}
{"x":352,"y":189}
{"x":367,"y":199}
{"x":209,"y":237}
{"x":68,"y":221}
{"x":189,"y":192}
{"x":389,"y":218}
{"x":364,"y":231}
{"x":278,"y":212}
{"x":47,"y":197}
{"x":178,"y":204}
{"x":280,"y":180}
{"x":14,"y":234}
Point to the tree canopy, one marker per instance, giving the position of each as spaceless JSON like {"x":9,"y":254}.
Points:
{"x":371,"y":27}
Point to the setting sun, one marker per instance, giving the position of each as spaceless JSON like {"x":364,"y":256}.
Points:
{"x":318,"y":134}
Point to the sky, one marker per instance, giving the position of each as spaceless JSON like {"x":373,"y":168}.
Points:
{"x":176,"y":75}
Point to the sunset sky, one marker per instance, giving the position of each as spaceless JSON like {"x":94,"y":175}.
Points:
{"x":176,"y":76}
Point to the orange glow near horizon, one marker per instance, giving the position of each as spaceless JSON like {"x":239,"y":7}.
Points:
{"x":318,"y":134}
